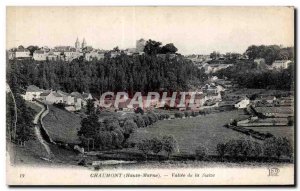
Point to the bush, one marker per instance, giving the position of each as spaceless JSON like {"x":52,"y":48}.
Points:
{"x":221,"y":149}
{"x":156,"y":145}
{"x":187,"y":114}
{"x":200,"y":152}
{"x":146,"y":120}
{"x":169,"y":145}
{"x":145,"y":147}
{"x":194,"y":114}
{"x":244,"y":148}
{"x":277,"y":147}
{"x":152,"y":117}
{"x":179,"y":115}
{"x":129,"y":127}
{"x":138,"y":119}
{"x":167,"y":116}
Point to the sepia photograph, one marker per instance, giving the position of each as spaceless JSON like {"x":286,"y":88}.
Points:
{"x":150,"y":95}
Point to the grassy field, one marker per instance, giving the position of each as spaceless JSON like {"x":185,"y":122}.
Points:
{"x":33,"y":106}
{"x":191,"y":132}
{"x":62,"y":125}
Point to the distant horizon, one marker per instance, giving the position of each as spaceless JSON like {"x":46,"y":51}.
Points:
{"x":193,"y":30}
{"x":196,"y":53}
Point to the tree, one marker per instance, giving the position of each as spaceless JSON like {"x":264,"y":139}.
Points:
{"x":90,"y":108}
{"x":169,"y":48}
{"x":157,"y":145}
{"x":32,"y":48}
{"x":89,"y":126}
{"x":214,"y":55}
{"x":145,"y":147}
{"x":152,"y":47}
{"x":200,"y":152}
{"x":169,"y":145}
{"x":277,"y":147}
{"x":129,"y":127}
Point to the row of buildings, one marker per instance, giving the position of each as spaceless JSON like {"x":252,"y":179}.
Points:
{"x":277,"y":64}
{"x":69,"y":53}
{"x":72,"y":101}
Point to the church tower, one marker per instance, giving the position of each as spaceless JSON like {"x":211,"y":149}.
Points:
{"x":77,"y":44}
{"x":83,"y":45}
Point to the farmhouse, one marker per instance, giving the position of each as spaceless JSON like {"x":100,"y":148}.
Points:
{"x":52,"y":97}
{"x":33,"y":92}
{"x":67,"y":98}
{"x":268,"y":99}
{"x":281,"y":64}
{"x":242,"y":103}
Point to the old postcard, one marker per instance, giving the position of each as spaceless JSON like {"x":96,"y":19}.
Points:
{"x":150,"y":96}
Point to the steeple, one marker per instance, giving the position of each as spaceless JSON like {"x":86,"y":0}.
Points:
{"x":77,"y":43}
{"x":83,"y":45}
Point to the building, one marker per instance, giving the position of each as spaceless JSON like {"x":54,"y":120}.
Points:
{"x":281,"y":64}
{"x":52,"y":97}
{"x":89,"y":56}
{"x":140,"y":45}
{"x":241,"y":104}
{"x":40,"y":55}
{"x":213,"y":68}
{"x":77,"y":44}
{"x":259,"y":61}
{"x":67,"y":98}
{"x":83,"y":45}
{"x":22,"y":53}
{"x":33,"y":92}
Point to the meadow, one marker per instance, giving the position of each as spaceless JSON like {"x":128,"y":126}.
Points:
{"x":190,"y":133}
{"x":62,"y":126}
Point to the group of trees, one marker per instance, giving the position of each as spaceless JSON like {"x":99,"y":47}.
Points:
{"x":113,"y":132}
{"x":168,"y":144}
{"x":153,"y":47}
{"x":19,"y":117}
{"x":275,"y":147}
{"x":270,"y":53}
{"x":249,"y":76}
{"x":124,"y":73}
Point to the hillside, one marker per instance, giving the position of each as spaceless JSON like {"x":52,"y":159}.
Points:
{"x":62,"y":126}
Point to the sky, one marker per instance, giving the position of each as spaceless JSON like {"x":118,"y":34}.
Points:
{"x":193,"y":30}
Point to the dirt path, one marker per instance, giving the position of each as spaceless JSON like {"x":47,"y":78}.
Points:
{"x":38,"y":132}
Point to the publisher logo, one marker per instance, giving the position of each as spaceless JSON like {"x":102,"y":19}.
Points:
{"x":273,"y":171}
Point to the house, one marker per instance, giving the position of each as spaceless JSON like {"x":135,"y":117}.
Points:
{"x":40,"y":55}
{"x":78,"y":100}
{"x":259,"y":61}
{"x":87,"y":96}
{"x":281,"y":64}
{"x":22,"y":53}
{"x":52,"y":97}
{"x":71,"y":54}
{"x":268,"y":99}
{"x":67,"y":98}
{"x":33,"y":92}
{"x":241,"y":104}
{"x":213,"y":68}
{"x":11,"y":55}
{"x":89,"y":56}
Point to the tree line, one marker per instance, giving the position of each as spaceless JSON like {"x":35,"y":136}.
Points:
{"x":124,"y":73}
{"x":251,"y":76}
{"x":270,"y":53}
